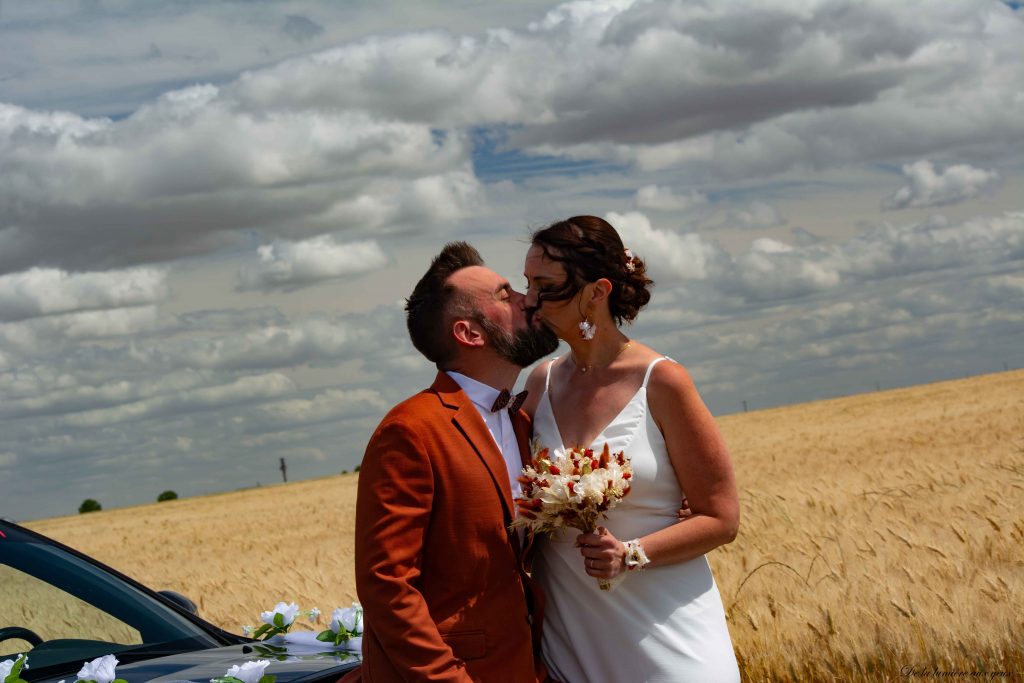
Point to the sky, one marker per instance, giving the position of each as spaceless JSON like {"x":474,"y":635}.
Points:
{"x":211,"y":212}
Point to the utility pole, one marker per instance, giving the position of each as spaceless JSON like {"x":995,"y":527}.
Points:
{"x":284,"y":471}
{"x":744,"y":406}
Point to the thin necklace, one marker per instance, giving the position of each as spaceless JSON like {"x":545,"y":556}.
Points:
{"x":587,"y":368}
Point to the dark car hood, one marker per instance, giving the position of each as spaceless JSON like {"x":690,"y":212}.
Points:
{"x":288,"y":664}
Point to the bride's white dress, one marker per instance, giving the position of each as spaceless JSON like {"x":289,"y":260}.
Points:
{"x":663,"y":624}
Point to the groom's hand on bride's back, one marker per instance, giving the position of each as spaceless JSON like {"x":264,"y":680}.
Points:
{"x":684,"y":510}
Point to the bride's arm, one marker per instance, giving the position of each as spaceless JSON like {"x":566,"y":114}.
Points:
{"x":704,"y":471}
{"x":702,"y":466}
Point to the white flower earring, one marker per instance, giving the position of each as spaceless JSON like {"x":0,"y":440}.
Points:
{"x":587,"y":329}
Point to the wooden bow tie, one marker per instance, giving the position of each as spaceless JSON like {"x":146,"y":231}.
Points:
{"x":512,"y":402}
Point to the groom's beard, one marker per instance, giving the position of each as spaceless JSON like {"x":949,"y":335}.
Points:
{"x":523,"y":348}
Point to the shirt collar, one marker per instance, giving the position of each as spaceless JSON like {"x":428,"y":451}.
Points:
{"x":479,"y":393}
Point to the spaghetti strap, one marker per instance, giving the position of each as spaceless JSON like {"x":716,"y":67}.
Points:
{"x":547,"y":378}
{"x":649,"y":369}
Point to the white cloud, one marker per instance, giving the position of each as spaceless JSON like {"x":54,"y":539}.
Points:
{"x":929,"y":245}
{"x":776,"y":87}
{"x":287,"y":265}
{"x":876,"y":337}
{"x":574,"y":78}
{"x":837,"y":319}
{"x":49,"y":392}
{"x":428,"y":201}
{"x":773,"y":270}
{"x":685,"y":256}
{"x":423,"y":77}
{"x":38,"y":337}
{"x":250,"y":389}
{"x":658,"y":198}
{"x":927,"y":187}
{"x":44,"y":124}
{"x":54,"y":372}
{"x":376,"y":135}
{"x":188,"y":173}
{"x":676,"y":318}
{"x":313,"y":339}
{"x":770,"y":270}
{"x":753,"y":216}
{"x":46,"y":291}
{"x":1004,"y":289}
{"x":332,"y":404}
{"x":111,"y":58}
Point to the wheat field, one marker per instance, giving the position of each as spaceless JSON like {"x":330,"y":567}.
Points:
{"x":882,"y":538}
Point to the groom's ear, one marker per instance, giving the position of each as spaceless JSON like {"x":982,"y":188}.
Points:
{"x":468,"y":333}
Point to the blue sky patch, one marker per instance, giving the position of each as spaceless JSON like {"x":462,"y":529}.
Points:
{"x":493,"y":161}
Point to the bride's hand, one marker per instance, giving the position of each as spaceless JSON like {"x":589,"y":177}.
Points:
{"x":604,"y":556}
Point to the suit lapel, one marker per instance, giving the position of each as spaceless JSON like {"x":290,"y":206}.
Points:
{"x":469,"y":423}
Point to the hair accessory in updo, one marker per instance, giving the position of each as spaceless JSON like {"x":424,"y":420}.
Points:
{"x":630,"y":261}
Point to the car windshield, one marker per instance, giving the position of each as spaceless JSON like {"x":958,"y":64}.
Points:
{"x":61,"y":610}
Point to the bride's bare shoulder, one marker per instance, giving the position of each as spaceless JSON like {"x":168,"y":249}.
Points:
{"x":671,"y":385}
{"x":642,"y":355}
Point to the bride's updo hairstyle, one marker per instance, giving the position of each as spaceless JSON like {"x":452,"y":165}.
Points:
{"x":589,"y":249}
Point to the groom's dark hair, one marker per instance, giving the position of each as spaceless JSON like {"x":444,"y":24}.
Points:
{"x":434,"y":303}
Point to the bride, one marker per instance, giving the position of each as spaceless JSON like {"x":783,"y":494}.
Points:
{"x":663,"y":621}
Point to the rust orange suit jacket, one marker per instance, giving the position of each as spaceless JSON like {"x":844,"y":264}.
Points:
{"x":441,"y":579}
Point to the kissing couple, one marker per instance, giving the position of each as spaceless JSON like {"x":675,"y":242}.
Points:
{"x":451,"y":591}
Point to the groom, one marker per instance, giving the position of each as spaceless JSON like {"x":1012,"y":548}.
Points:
{"x":439,"y":574}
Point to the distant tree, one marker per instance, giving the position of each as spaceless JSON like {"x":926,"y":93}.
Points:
{"x":357,"y":468}
{"x":89,"y":505}
{"x":166,"y":495}
{"x":344,"y":471}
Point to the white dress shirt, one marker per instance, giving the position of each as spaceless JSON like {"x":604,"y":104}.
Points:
{"x":498,"y":423}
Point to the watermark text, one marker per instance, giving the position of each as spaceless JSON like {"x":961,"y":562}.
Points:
{"x":931,"y":672}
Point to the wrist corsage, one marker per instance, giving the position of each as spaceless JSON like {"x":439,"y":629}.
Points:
{"x":636,"y":558}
